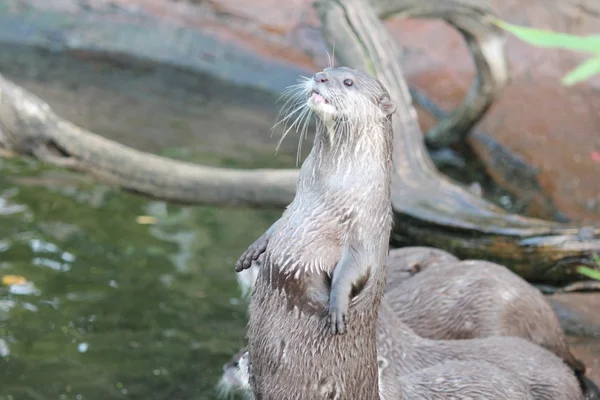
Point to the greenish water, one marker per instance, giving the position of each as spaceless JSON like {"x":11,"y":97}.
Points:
{"x":111,"y":308}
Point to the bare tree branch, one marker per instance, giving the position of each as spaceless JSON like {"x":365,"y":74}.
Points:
{"x":28,"y":126}
{"x":486,"y":44}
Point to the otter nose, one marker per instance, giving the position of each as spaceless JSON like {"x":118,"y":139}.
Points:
{"x":320,"y":77}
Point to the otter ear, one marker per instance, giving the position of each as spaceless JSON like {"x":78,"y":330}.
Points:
{"x":387,"y":106}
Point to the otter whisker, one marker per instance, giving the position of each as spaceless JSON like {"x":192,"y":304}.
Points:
{"x":285,"y":120}
{"x":290,"y":110}
{"x":333,"y":55}
{"x":306,"y":119}
{"x":329,"y":58}
{"x":295,"y":123}
{"x":223,"y":389}
{"x":292,"y":105}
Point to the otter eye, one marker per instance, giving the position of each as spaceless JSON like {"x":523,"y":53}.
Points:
{"x":348,"y":82}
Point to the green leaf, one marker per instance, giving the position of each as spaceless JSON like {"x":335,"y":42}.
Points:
{"x":589,"y":272}
{"x":544,"y":38}
{"x":585,"y":70}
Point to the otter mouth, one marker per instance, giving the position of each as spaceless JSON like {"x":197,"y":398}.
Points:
{"x":317,"y":97}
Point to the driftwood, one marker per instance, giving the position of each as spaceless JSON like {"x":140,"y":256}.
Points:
{"x":486,"y":44}
{"x":430,"y":209}
{"x":29,"y":127}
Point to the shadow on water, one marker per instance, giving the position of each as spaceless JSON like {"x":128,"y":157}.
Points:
{"x":109,"y":307}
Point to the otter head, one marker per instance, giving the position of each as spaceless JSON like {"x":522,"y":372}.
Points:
{"x":338,"y":94}
{"x":344,"y":100}
{"x":235,"y":378}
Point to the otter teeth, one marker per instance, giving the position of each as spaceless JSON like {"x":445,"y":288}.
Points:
{"x":317,"y":98}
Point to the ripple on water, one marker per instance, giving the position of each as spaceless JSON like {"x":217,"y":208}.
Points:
{"x":108,"y":298}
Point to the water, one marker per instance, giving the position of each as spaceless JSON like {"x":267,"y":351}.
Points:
{"x":97,"y":303}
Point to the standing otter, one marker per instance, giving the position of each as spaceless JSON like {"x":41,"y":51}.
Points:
{"x":324,"y":264}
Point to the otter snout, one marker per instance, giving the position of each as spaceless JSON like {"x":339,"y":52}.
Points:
{"x":318,"y":97}
{"x":320,"y":77}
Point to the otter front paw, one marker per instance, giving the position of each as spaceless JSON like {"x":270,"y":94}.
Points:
{"x":251,"y":254}
{"x":338,"y":318}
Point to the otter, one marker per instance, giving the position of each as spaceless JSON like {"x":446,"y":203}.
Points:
{"x":477,"y":299}
{"x":315,"y":327}
{"x":314,"y":305}
{"x":453,"y":380}
{"x":546,"y":375}
{"x":235,"y":378}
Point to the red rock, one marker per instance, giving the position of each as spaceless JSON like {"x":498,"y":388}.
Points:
{"x":552,"y":127}
{"x":579,"y":315}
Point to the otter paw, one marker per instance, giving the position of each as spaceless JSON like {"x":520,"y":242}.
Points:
{"x":251,"y":254}
{"x":337,"y":321}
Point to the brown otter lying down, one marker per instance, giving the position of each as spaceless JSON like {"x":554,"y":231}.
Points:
{"x":451,"y":299}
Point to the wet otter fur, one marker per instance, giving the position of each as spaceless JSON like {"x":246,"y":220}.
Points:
{"x":441,"y":297}
{"x":546,"y":375}
{"x":477,"y":299}
{"x":480,"y":299}
{"x":411,"y":367}
{"x":314,"y":306}
{"x":453,"y":380}
{"x":462,"y":380}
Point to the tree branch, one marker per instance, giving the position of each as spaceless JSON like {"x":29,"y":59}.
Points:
{"x":486,"y":44}
{"x":28,"y":126}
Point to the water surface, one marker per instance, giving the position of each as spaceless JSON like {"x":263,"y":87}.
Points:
{"x":96,"y":303}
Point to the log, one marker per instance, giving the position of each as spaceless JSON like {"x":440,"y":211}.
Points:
{"x":485,"y":42}
{"x":28,"y":126}
{"x":430,"y":209}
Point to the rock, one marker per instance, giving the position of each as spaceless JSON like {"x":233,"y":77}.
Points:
{"x":540,"y":139}
{"x":579,"y":315}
